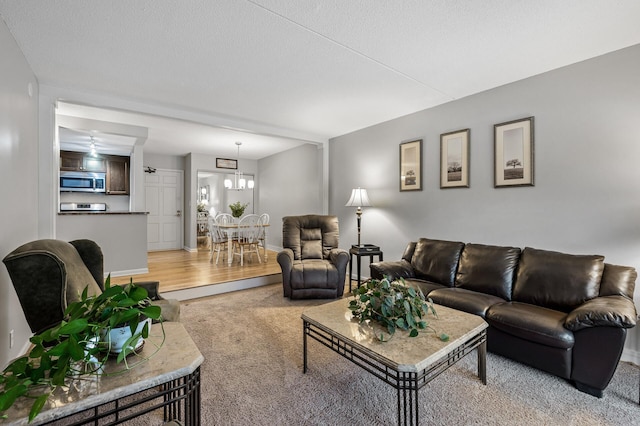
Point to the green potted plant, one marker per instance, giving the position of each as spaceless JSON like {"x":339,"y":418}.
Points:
{"x":237,"y":209}
{"x":80,"y":344}
{"x":393,"y":305}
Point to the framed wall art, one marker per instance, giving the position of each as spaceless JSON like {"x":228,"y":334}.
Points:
{"x":514,"y":153}
{"x":226,"y":163}
{"x":454,"y":159}
{"x":411,"y":166}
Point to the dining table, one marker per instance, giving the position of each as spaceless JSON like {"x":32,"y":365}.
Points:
{"x":230,"y":229}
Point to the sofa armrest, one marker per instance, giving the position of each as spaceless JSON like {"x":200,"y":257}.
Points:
{"x":606,"y":311}
{"x":393,"y":270}
{"x":285,"y":259}
{"x":339,"y":257}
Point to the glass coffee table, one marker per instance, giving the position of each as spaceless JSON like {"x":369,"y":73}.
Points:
{"x":406,"y":363}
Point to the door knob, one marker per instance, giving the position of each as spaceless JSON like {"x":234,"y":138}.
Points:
{"x":178,"y":213}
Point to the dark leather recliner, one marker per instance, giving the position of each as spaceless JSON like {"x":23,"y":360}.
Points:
{"x":49,"y":274}
{"x":312,"y":264}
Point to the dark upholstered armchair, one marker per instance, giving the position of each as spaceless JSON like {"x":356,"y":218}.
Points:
{"x":312,"y":264}
{"x":49,"y":274}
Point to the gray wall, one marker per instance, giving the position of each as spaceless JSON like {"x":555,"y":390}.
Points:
{"x":586,"y":197}
{"x":18,"y":173}
{"x":290,"y":183}
{"x":160,"y":161}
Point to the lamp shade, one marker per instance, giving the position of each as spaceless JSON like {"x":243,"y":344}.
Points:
{"x":359,"y":198}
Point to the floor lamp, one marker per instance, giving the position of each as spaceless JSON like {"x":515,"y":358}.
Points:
{"x":359,"y":199}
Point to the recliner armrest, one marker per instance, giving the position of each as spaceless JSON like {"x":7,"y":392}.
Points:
{"x":339,"y":257}
{"x":606,"y":311}
{"x":393,"y":270}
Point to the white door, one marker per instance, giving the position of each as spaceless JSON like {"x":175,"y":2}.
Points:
{"x":163,"y":196}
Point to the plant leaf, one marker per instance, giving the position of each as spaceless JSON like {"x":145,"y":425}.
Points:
{"x":413,"y":333}
{"x":37,"y":406}
{"x":444,"y":337}
{"x":138,"y":293}
{"x":8,"y":397}
{"x":74,"y":327}
{"x":152,"y":311}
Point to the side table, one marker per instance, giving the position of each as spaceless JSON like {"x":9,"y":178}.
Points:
{"x":369,"y":250}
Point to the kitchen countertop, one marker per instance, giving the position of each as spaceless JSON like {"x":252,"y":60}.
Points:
{"x":94,"y":213}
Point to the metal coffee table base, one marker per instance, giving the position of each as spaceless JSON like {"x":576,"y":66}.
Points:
{"x":407,"y":384}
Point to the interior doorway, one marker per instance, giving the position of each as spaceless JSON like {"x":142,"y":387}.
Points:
{"x":213,"y":198}
{"x":164,"y":204}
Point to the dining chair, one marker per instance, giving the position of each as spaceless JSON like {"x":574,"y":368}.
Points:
{"x":247,"y":237}
{"x":219,"y":240}
{"x":262,"y":238}
{"x":224,"y":218}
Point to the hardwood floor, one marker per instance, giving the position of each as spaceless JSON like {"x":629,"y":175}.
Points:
{"x":180,"y":270}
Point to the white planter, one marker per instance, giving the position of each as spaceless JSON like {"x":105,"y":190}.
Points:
{"x":118,"y":336}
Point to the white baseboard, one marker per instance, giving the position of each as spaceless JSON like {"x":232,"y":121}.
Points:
{"x":213,"y":289}
{"x":127,"y":272}
{"x":629,"y":355}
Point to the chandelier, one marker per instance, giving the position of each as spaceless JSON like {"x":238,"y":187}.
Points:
{"x":239,"y":183}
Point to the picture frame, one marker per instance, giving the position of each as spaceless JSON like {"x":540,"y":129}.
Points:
{"x":514,"y":153}
{"x":411,"y":165}
{"x":226,"y":163}
{"x":454,"y":159}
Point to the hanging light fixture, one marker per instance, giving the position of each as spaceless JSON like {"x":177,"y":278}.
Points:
{"x":239,"y":182}
{"x":92,"y":145}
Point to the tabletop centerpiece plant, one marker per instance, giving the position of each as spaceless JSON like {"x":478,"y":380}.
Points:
{"x":394,"y":305}
{"x":237,"y":209}
{"x":80,"y":345}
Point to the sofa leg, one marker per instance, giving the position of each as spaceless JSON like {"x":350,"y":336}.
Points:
{"x":589,"y":389}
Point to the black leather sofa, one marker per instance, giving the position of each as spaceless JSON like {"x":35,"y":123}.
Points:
{"x":565,"y":314}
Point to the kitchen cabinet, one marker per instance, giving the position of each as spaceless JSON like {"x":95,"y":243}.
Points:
{"x":117,"y":175}
{"x":71,"y":161}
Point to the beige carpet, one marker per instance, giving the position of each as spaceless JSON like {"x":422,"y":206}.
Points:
{"x":252,"y":375}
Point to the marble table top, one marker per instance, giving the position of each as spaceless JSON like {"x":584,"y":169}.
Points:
{"x":176,"y":358}
{"x":401,"y":352}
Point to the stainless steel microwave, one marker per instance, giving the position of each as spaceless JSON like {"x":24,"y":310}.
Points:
{"x":82,"y":182}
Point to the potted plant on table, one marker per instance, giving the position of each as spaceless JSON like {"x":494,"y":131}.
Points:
{"x":394,"y":305}
{"x":80,"y":344}
{"x":237,"y":209}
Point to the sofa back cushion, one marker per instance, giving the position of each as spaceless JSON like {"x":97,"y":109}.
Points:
{"x":618,"y":281}
{"x":556,"y":280}
{"x":310,"y":236}
{"x":436,"y":260}
{"x":488,"y":269}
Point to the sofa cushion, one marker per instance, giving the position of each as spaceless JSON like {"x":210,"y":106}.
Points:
{"x":532,"y":323}
{"x":296,"y":229}
{"x":313,"y":273}
{"x":488,"y":269}
{"x":556,"y":280}
{"x":436,"y":260}
{"x":618,"y":281}
{"x":426,"y":287}
{"x":465,"y":300}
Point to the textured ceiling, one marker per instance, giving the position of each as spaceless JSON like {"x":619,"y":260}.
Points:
{"x":315,"y":69}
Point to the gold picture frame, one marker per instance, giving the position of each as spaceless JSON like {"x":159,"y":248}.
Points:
{"x":454,"y":159}
{"x":411,"y":165}
{"x":514,"y":157}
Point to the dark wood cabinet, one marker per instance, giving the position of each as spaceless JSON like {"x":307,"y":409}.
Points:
{"x":71,"y":161}
{"x":115,"y":166}
{"x":117,"y":175}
